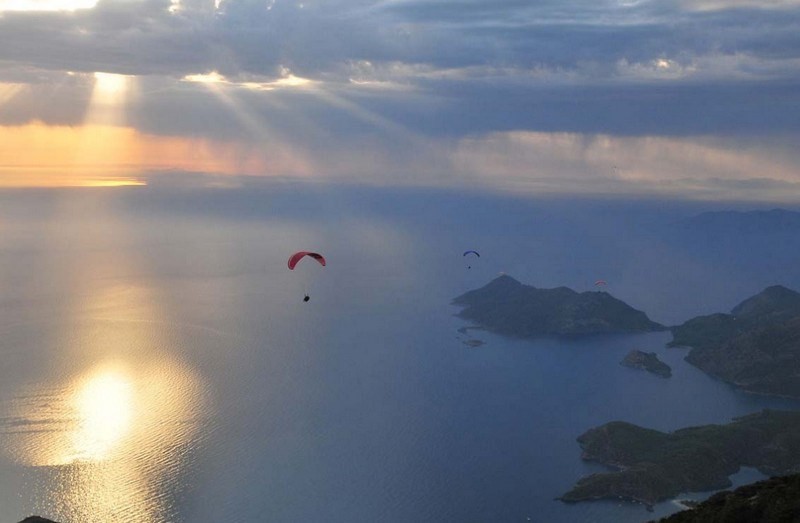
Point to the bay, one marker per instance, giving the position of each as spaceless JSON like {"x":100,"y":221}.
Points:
{"x":158,"y":363}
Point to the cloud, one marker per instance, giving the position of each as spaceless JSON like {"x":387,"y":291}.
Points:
{"x":600,"y":164}
{"x":718,"y":5}
{"x":518,"y":161}
{"x":347,"y":88}
{"x":315,"y":38}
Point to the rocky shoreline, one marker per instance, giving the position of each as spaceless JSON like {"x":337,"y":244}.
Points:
{"x":651,"y":466}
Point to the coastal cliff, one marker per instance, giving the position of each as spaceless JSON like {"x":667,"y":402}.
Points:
{"x":756,"y":347}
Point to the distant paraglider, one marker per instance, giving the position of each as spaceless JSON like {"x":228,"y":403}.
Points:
{"x":600,"y":283}
{"x":471,"y":254}
{"x":295,"y":258}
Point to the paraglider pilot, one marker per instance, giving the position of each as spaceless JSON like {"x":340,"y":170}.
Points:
{"x":296,"y":257}
{"x":471,"y":252}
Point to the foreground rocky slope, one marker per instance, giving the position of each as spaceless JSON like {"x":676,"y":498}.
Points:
{"x":775,"y":500}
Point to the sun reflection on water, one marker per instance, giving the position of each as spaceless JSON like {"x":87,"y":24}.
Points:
{"x":109,"y":421}
{"x":104,"y":406}
{"x":112,"y":443}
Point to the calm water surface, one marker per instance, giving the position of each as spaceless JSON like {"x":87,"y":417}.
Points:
{"x":158,"y":363}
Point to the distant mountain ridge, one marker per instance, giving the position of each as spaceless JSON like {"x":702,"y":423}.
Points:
{"x":508,"y":307}
{"x":756,"y":347}
{"x":748,"y":222}
{"x":773,"y":303}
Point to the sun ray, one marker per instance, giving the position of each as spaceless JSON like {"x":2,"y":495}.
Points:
{"x":8,"y":91}
{"x":264,"y":136}
{"x":367,"y":116}
{"x":107,"y":105}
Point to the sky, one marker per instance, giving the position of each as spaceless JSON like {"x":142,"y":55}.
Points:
{"x":696,"y":99}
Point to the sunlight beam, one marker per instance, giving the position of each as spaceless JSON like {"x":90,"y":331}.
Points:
{"x":9,"y":91}
{"x":109,"y":96}
{"x":281,"y":153}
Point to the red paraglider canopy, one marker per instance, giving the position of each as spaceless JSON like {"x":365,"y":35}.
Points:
{"x":600,"y":282}
{"x":296,"y":257}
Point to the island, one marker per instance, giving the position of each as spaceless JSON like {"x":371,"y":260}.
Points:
{"x":506,"y":306}
{"x":648,"y":361}
{"x":773,"y":500}
{"x":755,"y":347}
{"x":650,"y":466}
{"x":36,"y":519}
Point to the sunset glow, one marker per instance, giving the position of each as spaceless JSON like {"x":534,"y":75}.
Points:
{"x":109,"y":94}
{"x":103,"y":156}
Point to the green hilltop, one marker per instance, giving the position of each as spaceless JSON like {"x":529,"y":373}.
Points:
{"x":652,"y":466}
{"x":508,"y":307}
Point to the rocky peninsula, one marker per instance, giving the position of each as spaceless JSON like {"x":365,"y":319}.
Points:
{"x":651,"y":466}
{"x":755,"y":347}
{"x":508,"y":307}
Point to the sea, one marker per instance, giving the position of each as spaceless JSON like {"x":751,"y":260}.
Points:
{"x":158,"y":363}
